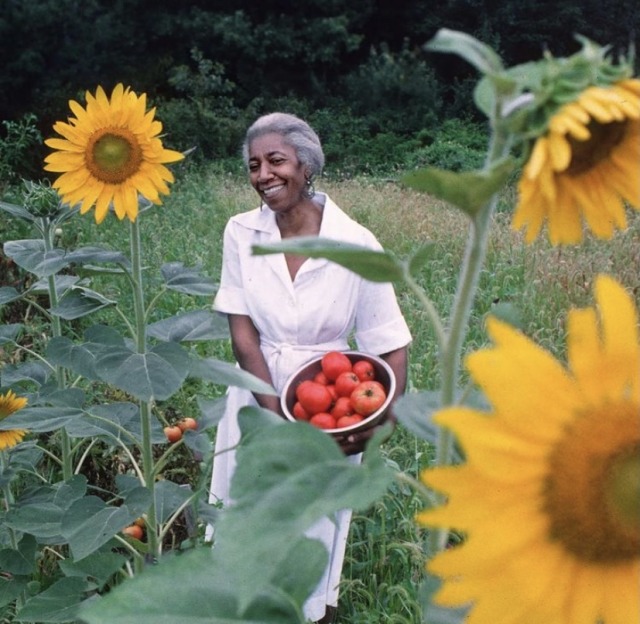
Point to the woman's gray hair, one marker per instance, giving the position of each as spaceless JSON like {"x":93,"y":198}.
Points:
{"x":295,"y":132}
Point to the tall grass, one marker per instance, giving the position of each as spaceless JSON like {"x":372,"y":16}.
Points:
{"x":532,"y":286}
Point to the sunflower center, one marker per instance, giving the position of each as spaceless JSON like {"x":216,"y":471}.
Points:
{"x":587,"y":154}
{"x":113,"y":155}
{"x":592,"y":490}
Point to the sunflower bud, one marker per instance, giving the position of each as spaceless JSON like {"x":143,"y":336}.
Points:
{"x":41,"y":200}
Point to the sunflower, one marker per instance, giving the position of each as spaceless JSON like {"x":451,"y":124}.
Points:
{"x":110,"y":152}
{"x":585,"y":167}
{"x":10,"y":403}
{"x":549,"y":497}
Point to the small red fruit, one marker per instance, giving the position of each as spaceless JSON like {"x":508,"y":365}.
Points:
{"x":313,"y":397}
{"x":368,"y":397}
{"x":342,"y":407}
{"x":321,"y":378}
{"x":188,"y":423}
{"x":348,"y":421}
{"x":134,"y":531}
{"x":299,"y":412}
{"x":173,"y":433}
{"x":333,"y":363}
{"x":346,"y":383}
{"x":364,"y":370}
{"x":323,"y":420}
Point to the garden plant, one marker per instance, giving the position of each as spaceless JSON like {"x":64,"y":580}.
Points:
{"x":530,"y":500}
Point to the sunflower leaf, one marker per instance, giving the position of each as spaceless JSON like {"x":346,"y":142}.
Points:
{"x":480,"y":55}
{"x":377,"y":266}
{"x":468,"y":190}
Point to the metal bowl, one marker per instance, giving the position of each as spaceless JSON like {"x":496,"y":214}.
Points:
{"x":383,"y":373}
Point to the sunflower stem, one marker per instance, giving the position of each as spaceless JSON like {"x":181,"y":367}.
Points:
{"x":56,"y":331}
{"x":148,"y":468}
{"x":475,"y":253}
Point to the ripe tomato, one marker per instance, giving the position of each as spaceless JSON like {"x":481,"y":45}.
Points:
{"x":321,"y":378}
{"x":188,"y":423}
{"x":333,"y":392}
{"x":134,"y":531}
{"x":333,"y":363}
{"x":323,"y":420}
{"x":173,"y":433}
{"x":368,"y":397}
{"x":347,"y":421}
{"x":346,"y":383}
{"x":299,"y":412}
{"x":342,"y":407}
{"x":364,"y":370}
{"x":313,"y":397}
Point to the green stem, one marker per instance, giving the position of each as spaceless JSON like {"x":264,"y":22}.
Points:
{"x":56,"y":330}
{"x":145,"y":407}
{"x":475,"y":253}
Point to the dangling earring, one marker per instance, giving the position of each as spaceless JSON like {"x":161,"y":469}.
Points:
{"x":310,"y":191}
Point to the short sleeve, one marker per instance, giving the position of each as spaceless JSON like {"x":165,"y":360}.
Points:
{"x":230,"y":298}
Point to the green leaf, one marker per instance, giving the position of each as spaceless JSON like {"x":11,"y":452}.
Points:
{"x":478,"y":54}
{"x":22,"y":560}
{"x":32,"y":256}
{"x":288,"y":477}
{"x":80,"y":302}
{"x":58,"y":603}
{"x":186,"y":280}
{"x":80,"y":359}
{"x":468,"y":190}
{"x":376,"y":266}
{"x":420,"y":257}
{"x":219,"y":372}
{"x":85,"y":255}
{"x":207,"y":597}
{"x":11,"y":588}
{"x":169,"y":497}
{"x":8,"y":294}
{"x":17,"y":211}
{"x":190,"y":326}
{"x":62,"y":283}
{"x":29,"y":371}
{"x":98,"y":567}
{"x":40,"y":419}
{"x":90,"y":523}
{"x":212,"y":411}
{"x":158,"y":373}
{"x":9,"y":333}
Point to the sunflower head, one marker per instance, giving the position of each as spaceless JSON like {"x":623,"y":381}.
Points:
{"x":109,"y":153}
{"x":548,"y":498}
{"x":41,"y":200}
{"x":581,"y":133}
{"x":10,"y":403}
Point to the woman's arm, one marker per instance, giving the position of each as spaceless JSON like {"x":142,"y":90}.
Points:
{"x":245,"y":341}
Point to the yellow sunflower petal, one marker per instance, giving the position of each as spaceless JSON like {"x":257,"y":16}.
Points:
{"x":621,"y":602}
{"x":565,"y":223}
{"x":560,"y":152}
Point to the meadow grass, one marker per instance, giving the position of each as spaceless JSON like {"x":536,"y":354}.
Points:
{"x":530,"y":285}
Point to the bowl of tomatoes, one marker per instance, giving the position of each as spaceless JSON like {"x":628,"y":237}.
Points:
{"x":340,"y":392}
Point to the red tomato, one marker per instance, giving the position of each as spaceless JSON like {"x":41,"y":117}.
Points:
{"x":342,"y":407}
{"x":173,"y":433}
{"x":333,"y":363}
{"x":321,"y":378}
{"x":333,"y":392}
{"x":323,"y":420}
{"x":368,"y":397}
{"x":134,"y":531}
{"x":347,"y":421}
{"x":299,"y":412}
{"x":346,"y":383}
{"x":364,"y":370}
{"x":313,"y":397}
{"x":188,"y":423}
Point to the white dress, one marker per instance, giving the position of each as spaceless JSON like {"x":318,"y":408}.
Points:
{"x":298,"y":320}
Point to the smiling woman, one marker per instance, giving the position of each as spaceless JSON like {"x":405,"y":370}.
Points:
{"x":285,"y":310}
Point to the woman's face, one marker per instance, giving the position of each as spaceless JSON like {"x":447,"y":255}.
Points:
{"x":276,"y":173}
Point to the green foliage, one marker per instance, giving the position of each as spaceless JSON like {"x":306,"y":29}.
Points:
{"x":21,"y":139}
{"x":457,"y":145}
